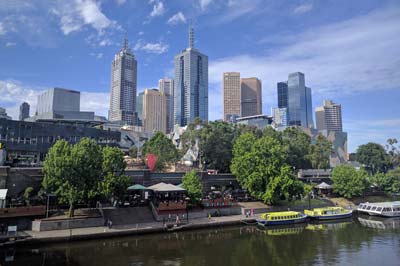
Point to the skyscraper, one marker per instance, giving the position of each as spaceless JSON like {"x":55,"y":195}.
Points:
{"x":231,"y":95}
{"x":154,"y":111}
{"x":298,"y":100}
{"x":123,"y":87}
{"x":251,"y":97}
{"x":24,"y":111}
{"x":329,"y":116}
{"x":280,"y":116}
{"x":139,"y":108}
{"x":166,"y":86}
{"x":282,"y":94}
{"x":190,"y":84}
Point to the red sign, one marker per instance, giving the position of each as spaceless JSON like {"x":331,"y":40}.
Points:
{"x":151,"y":161}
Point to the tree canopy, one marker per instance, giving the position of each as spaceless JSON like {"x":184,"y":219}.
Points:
{"x":192,"y":184}
{"x":320,"y":153}
{"x":349,"y":182}
{"x":260,"y":167}
{"x":83,"y":172}
{"x":163,"y":147}
{"x":374,"y":158}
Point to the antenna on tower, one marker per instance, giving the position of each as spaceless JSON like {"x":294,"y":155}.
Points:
{"x":125,"y":46}
{"x":191,"y":35}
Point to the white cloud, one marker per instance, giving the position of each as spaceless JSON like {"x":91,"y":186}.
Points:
{"x":2,"y":29}
{"x":120,"y":2}
{"x":301,"y":9}
{"x":74,"y":16}
{"x":140,"y":33}
{"x":204,"y":4}
{"x":14,"y":93}
{"x":176,"y":19}
{"x":235,"y":9}
{"x":97,"y":55}
{"x":155,"y":48}
{"x":158,"y":10}
{"x":10,"y":44}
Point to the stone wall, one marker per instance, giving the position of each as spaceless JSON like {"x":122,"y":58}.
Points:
{"x":60,"y":224}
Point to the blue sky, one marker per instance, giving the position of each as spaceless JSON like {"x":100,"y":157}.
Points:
{"x":348,"y":50}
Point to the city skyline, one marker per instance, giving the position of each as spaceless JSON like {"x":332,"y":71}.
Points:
{"x":85,"y":66}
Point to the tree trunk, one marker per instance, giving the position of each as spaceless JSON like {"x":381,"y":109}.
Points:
{"x":71,"y":210}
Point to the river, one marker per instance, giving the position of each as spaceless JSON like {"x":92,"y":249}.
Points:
{"x":369,"y":241}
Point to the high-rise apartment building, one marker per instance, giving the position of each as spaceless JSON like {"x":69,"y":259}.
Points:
{"x":251,"y":97}
{"x":154,"y":111}
{"x":190,"y":84}
{"x":166,"y":86}
{"x":139,"y":108}
{"x":24,"y":111}
{"x":231,"y":95}
{"x":329,"y":116}
{"x":280,"y":116}
{"x":297,"y":99}
{"x":123,"y":87}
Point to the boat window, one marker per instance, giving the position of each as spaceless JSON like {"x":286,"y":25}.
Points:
{"x":369,"y":207}
{"x":379,"y":209}
{"x":373,"y":208}
{"x":364,"y":207}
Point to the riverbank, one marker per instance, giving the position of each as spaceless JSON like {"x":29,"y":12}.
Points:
{"x":127,"y":230}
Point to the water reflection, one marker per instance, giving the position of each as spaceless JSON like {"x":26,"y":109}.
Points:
{"x":380,"y":222}
{"x":337,"y":243}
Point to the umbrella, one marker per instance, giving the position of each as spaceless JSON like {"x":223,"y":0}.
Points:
{"x":137,"y":187}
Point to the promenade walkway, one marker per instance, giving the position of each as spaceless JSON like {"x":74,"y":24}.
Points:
{"x":132,"y":229}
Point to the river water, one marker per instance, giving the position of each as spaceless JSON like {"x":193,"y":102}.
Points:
{"x":369,"y":241}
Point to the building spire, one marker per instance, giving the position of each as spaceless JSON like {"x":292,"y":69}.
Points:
{"x":125,"y":42}
{"x":191,"y":35}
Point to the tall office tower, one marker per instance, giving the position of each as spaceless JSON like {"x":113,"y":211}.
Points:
{"x":231,"y":95}
{"x":139,"y":108}
{"x":251,"y":97}
{"x":280,"y":116}
{"x":123,"y":87}
{"x":154,"y":111}
{"x":299,"y":102}
{"x":24,"y":111}
{"x":282,"y":94}
{"x":190,"y":85}
{"x":329,"y":116}
{"x":166,"y":86}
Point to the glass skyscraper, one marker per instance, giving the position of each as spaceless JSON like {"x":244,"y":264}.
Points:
{"x":296,"y":97}
{"x":190,"y":85}
{"x":123,"y":87}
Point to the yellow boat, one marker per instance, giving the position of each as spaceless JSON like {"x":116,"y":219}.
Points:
{"x":328,"y":213}
{"x":280,"y":218}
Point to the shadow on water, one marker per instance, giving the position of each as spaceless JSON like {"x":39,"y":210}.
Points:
{"x":347,"y":242}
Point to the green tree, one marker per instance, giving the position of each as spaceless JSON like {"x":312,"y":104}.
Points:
{"x":114,"y":184}
{"x":27,"y":194}
{"x":320,"y":153}
{"x":297,"y":145}
{"x":393,"y":177}
{"x":374,"y":158}
{"x":192,"y":184}
{"x":349,"y":182}
{"x":133,"y":151}
{"x":260,"y":167}
{"x":393,"y":152}
{"x":73,"y":172}
{"x":216,"y":141}
{"x":163,"y":147}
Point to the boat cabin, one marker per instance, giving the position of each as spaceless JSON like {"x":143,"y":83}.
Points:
{"x":278,"y":216}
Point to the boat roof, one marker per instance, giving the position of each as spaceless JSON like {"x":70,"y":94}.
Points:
{"x":287,"y":213}
{"x":327,"y":208}
{"x":383,"y":204}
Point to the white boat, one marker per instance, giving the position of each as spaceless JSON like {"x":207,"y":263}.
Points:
{"x":386,"y":209}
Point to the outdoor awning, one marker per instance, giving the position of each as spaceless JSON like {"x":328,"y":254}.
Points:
{"x":137,"y":187}
{"x":323,"y":185}
{"x":162,"y":187}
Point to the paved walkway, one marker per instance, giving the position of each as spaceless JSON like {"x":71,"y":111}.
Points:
{"x":142,"y":228}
